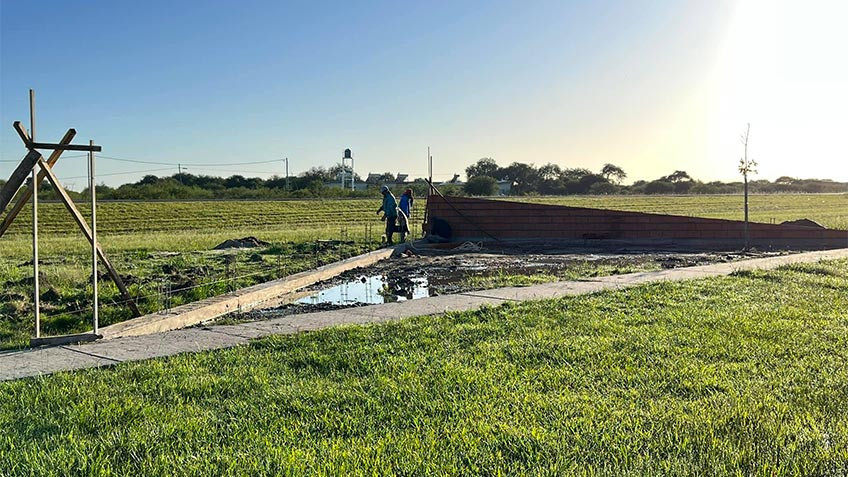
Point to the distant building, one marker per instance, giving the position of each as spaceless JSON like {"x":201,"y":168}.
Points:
{"x":504,"y":187}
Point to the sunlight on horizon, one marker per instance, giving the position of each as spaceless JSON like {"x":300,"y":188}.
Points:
{"x":782,"y":68}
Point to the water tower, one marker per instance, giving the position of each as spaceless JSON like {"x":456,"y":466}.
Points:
{"x":347,"y":165}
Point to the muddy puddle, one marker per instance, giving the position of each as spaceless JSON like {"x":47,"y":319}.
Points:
{"x":369,"y":290}
{"x":417,"y":276}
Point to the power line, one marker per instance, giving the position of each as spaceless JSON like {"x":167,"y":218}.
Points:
{"x":187,"y":164}
{"x":121,"y":173}
{"x":63,"y":157}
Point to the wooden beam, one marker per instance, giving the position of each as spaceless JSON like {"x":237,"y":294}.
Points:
{"x":65,"y":147}
{"x":19,"y":175}
{"x":22,"y":132}
{"x":27,"y":193}
{"x":64,"y":339}
{"x":78,"y":218}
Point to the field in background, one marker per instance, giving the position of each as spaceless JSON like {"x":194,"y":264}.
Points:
{"x":830,"y":210}
{"x":663,"y":379}
{"x":165,"y":246}
{"x":300,"y":218}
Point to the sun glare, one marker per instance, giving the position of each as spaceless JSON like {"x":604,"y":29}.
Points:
{"x":782,"y":69}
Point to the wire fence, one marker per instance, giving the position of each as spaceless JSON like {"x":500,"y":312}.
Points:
{"x":160,"y":293}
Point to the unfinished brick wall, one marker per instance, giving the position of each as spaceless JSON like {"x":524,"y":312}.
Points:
{"x":515,"y":220}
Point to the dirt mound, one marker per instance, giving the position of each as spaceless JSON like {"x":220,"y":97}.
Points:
{"x":803,"y":223}
{"x":246,"y":242}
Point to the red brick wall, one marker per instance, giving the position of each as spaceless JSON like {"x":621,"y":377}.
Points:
{"x":515,"y":220}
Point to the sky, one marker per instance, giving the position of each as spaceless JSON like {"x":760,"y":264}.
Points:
{"x":653,"y":86}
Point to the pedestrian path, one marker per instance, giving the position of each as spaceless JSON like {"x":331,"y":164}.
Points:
{"x":40,"y":361}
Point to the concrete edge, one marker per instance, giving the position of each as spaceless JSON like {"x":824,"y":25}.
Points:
{"x":244,"y":299}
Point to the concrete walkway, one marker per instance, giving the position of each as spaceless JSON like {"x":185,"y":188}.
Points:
{"x":41,"y":361}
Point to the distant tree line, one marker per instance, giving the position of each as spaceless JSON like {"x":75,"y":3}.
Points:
{"x":483,"y":177}
{"x":551,"y":179}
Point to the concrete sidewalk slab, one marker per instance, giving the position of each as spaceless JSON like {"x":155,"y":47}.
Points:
{"x":35,"y":362}
{"x":160,"y":344}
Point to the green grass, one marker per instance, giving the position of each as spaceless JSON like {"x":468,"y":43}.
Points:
{"x":573,"y":271}
{"x":158,"y":246}
{"x":157,"y":280}
{"x":505,"y":279}
{"x":135,"y":233}
{"x":131,"y":218}
{"x":740,"y":375}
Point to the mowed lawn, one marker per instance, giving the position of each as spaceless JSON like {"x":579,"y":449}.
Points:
{"x":741,"y":375}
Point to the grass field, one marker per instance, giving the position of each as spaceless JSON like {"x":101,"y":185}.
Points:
{"x":741,"y":375}
{"x":830,"y":210}
{"x":304,"y":217}
{"x":166,"y":245}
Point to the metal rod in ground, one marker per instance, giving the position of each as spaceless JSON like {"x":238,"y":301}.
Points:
{"x":36,"y":296}
{"x":91,"y":188}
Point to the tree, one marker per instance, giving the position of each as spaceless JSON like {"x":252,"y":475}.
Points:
{"x":659,"y":187}
{"x":483,"y":167}
{"x":524,"y":176}
{"x":677,"y":176}
{"x":335,"y":172}
{"x":148,"y":179}
{"x":549,"y":172}
{"x":746,"y":166}
{"x":611,"y":172}
{"x":574,"y":174}
{"x":603,"y":188}
{"x":481,"y":185}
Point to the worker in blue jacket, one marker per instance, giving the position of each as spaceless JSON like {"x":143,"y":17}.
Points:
{"x":390,"y":209}
{"x":404,"y":213}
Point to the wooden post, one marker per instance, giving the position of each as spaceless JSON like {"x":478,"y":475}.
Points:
{"x":78,"y":218}
{"x":36,"y":293}
{"x":27,"y":193}
{"x":19,"y":175}
{"x":91,"y":187}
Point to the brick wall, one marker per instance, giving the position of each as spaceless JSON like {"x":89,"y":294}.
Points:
{"x":515,"y":220}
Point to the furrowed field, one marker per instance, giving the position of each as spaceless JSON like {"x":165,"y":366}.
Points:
{"x":164,"y":248}
{"x":738,"y":375}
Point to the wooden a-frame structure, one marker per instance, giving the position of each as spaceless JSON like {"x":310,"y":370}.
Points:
{"x":19,"y":175}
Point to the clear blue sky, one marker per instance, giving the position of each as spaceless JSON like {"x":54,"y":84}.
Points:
{"x":647,"y":85}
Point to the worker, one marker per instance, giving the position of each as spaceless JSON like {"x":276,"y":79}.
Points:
{"x":389,"y":209}
{"x":404,"y":213}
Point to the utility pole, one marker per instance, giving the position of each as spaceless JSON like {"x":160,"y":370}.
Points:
{"x":746,"y":166}
{"x":36,"y":295}
{"x":287,"y":173}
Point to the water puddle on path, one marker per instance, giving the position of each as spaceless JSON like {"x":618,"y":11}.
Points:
{"x":371,"y":290}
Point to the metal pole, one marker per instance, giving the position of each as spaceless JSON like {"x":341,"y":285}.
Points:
{"x":36,"y":295}
{"x":430,"y":170}
{"x":287,"y":174}
{"x":92,"y":190}
{"x":352,"y":177}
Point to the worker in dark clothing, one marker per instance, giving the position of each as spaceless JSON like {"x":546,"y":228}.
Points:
{"x":404,"y":213}
{"x":390,"y":209}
